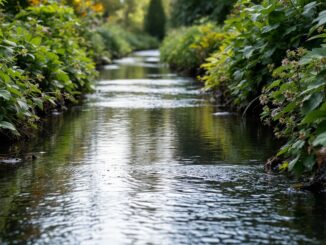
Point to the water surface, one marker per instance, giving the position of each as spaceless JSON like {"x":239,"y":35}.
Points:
{"x":148,"y":160}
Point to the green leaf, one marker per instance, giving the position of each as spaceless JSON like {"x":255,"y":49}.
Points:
{"x":62,"y":76}
{"x":274,"y":84}
{"x":313,"y":102}
{"x":270,"y":28}
{"x":320,"y":140}
{"x":309,"y":162}
{"x":293,"y":163}
{"x":317,"y":53}
{"x":317,"y":36}
{"x":31,"y":56}
{"x":7,"y":125}
{"x":5,"y":94}
{"x":290,"y":107}
{"x":297,"y":146}
{"x":15,"y":91}
{"x":314,"y":116}
{"x":38,"y":102}
{"x":309,"y":9}
{"x":4,"y":77}
{"x":248,"y":51}
{"x":36,"y":41}
{"x":22,"y":104}
{"x":321,"y":18}
{"x":9,"y":43}
{"x":284,"y":149}
{"x":321,"y":128}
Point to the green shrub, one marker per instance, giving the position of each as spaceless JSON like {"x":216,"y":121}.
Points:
{"x":119,"y":42}
{"x":45,"y":61}
{"x":187,"y":48}
{"x":43,"y":64}
{"x":114,"y":41}
{"x":93,"y":41}
{"x":278,"y":34}
{"x":141,"y":41}
{"x":259,"y":35}
{"x":295,"y":104}
{"x":58,"y":26}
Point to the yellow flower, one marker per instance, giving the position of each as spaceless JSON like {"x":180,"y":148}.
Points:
{"x":98,"y":7}
{"x":34,"y":2}
{"x":88,"y":3}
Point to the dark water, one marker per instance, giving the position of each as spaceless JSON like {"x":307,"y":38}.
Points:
{"x":146,"y":161}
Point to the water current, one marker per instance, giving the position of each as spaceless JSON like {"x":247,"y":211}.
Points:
{"x":148,"y":159}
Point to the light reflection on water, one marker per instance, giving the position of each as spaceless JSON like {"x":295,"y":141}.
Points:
{"x":142,"y":167}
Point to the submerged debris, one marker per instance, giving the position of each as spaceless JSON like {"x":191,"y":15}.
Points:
{"x":14,"y":162}
{"x":10,"y":161}
{"x":223,"y":113}
{"x":272,"y":165}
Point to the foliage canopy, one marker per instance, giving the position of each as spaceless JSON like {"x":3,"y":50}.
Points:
{"x":188,"y":12}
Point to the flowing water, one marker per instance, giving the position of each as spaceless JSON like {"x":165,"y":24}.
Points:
{"x":148,"y":160}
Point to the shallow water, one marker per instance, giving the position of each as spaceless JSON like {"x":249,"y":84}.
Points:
{"x":148,"y":160}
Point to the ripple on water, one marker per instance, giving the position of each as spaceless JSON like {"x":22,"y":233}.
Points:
{"x":144,"y":82}
{"x":121,"y":174}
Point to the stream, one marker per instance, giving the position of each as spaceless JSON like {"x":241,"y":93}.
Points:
{"x":148,"y":159}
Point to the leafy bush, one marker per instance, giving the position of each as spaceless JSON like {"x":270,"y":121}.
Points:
{"x":141,"y":41}
{"x":187,"y":48}
{"x":94,"y":42}
{"x":43,"y":65}
{"x":268,"y":35}
{"x":46,"y":54}
{"x":61,"y":34}
{"x":295,"y":103}
{"x":120,"y":42}
{"x":260,"y":34}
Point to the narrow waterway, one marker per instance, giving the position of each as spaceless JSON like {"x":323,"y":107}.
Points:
{"x":149,"y":160}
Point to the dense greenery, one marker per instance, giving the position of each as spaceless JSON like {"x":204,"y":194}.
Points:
{"x":187,"y":48}
{"x":43,"y":64}
{"x":188,"y":12}
{"x":260,"y":35}
{"x":155,"y":19}
{"x":120,"y":42}
{"x":48,"y":53}
{"x":272,"y":52}
{"x":295,"y":103}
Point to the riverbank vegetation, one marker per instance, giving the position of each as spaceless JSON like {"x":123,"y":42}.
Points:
{"x":49,"y":51}
{"x":187,"y":48}
{"x":270,"y":60}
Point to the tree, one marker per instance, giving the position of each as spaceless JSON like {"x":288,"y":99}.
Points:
{"x":188,"y":12}
{"x":155,"y":19}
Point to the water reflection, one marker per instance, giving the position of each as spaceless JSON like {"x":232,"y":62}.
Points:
{"x":137,"y":167}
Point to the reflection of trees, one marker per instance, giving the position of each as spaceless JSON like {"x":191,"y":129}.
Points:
{"x":309,"y":211}
{"x":131,"y":72}
{"x":128,"y":142}
{"x":30,"y":184}
{"x":151,"y":135}
{"x":220,"y":138}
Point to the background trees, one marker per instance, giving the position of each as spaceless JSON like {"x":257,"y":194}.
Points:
{"x":155,"y":19}
{"x":187,"y":12}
